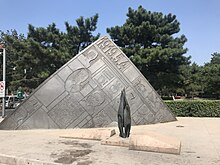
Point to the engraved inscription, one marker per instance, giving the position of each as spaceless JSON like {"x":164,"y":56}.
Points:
{"x":87,"y":123}
{"x":120,"y":61}
{"x":113,"y":53}
{"x":114,"y":88}
{"x":132,"y":96}
{"x":87,"y":57}
{"x":133,"y":100}
{"x":77,"y":80}
{"x":96,"y":99}
{"x":142,"y":87}
{"x":104,"y":44}
{"x":104,"y":77}
{"x":66,"y":111}
{"x":143,"y":116}
{"x":102,"y":80}
{"x":96,"y":66}
{"x":91,"y":55}
{"x":94,"y":102}
{"x":101,"y":119}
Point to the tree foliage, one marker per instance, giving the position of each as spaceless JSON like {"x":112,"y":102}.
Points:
{"x":15,"y":47}
{"x":211,"y":80}
{"x":215,"y":58}
{"x":202,"y":81}
{"x":31,"y":59}
{"x":147,"y":38}
{"x":192,"y":80}
{"x":80,"y":36}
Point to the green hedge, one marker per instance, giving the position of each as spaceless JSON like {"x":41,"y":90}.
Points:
{"x":195,"y":108}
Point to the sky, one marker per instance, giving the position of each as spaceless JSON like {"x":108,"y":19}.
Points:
{"x":199,"y":19}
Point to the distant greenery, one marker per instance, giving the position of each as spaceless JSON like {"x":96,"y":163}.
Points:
{"x":203,"y":81}
{"x":195,"y":108}
{"x":150,"y":39}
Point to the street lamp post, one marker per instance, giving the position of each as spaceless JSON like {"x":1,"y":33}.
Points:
{"x":2,"y":51}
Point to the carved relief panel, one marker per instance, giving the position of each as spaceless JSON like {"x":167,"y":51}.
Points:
{"x":85,"y":93}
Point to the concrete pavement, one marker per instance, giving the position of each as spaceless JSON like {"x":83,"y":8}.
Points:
{"x":199,"y":137}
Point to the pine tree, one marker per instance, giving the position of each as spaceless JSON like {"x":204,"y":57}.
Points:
{"x":147,"y":38}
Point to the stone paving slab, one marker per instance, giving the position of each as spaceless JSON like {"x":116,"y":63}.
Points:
{"x":90,"y":134}
{"x":13,"y":160}
{"x":200,"y":145}
{"x":116,"y":141}
{"x":154,"y":142}
{"x":147,"y":141}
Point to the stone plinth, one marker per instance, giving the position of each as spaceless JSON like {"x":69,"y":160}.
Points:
{"x":154,"y":143}
{"x":90,"y":134}
{"x":148,"y":141}
{"x":116,"y":140}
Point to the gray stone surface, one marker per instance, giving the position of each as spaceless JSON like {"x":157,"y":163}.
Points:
{"x":200,"y":145}
{"x":85,"y":93}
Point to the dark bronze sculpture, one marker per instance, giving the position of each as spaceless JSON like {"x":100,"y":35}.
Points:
{"x":124,"y":116}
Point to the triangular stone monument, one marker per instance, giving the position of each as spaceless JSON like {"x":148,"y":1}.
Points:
{"x":85,"y":93}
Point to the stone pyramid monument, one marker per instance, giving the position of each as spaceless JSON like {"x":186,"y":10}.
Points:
{"x":85,"y":93}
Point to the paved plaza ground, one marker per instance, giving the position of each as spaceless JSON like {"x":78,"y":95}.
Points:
{"x":200,"y":145}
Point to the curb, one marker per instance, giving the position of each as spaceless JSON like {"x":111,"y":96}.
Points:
{"x":13,"y":160}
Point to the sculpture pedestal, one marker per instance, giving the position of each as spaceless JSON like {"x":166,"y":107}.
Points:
{"x":147,"y":141}
{"x":116,"y":140}
{"x":90,"y":133}
{"x":154,"y":143}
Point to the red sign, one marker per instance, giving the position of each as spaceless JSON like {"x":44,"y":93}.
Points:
{"x":2,"y":88}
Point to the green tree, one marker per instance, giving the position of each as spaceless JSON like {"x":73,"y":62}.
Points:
{"x":211,"y":77}
{"x":192,"y":80}
{"x":15,"y":47}
{"x":80,"y":36}
{"x":215,"y":58}
{"x":147,"y":38}
{"x":33,"y":58}
{"x":46,"y":51}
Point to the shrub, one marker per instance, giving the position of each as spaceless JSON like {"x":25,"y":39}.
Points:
{"x":195,"y":108}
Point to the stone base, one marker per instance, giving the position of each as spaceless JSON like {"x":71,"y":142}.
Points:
{"x":116,"y":140}
{"x":149,"y":141}
{"x":154,"y":143}
{"x":90,"y":133}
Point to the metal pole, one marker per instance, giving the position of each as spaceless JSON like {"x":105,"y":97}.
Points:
{"x":4,"y":71}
